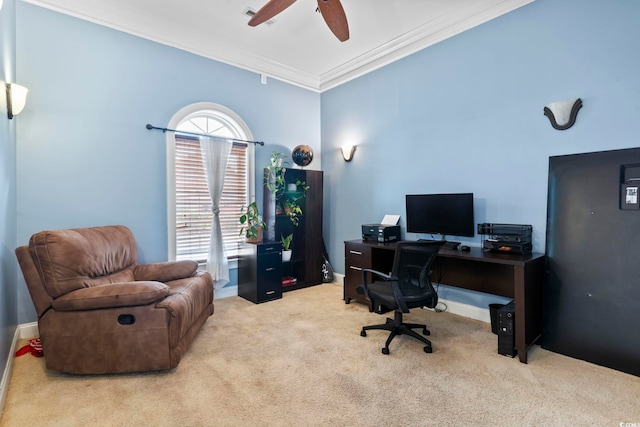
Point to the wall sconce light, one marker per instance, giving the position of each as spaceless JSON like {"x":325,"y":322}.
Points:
{"x":347,"y":152}
{"x":16,"y":99}
{"x":562,"y":114}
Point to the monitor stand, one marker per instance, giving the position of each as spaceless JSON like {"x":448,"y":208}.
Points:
{"x":451,"y":245}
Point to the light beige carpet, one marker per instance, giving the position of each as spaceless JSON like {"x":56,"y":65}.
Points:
{"x":300,"y":361}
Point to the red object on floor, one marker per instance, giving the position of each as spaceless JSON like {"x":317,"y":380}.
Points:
{"x":34,"y":347}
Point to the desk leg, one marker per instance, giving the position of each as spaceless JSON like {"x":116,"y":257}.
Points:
{"x":519,"y":298}
{"x":527,"y":295}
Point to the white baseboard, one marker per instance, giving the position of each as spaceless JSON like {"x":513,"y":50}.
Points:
{"x":458,"y":308}
{"x":466,"y":310}
{"x":27,"y":330}
{"x":229,"y":291}
{"x":6,"y":376}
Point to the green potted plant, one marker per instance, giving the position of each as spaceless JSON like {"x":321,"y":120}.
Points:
{"x":274,"y":173}
{"x":292,"y":210}
{"x":252,"y":223}
{"x":286,"y":247}
{"x":285,"y":196}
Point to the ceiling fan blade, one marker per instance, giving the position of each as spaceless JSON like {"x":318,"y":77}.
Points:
{"x":269,"y":10}
{"x":334,"y":16}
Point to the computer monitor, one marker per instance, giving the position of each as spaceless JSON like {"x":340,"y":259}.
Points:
{"x":444,"y":214}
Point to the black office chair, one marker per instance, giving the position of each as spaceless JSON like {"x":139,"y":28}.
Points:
{"x":408,"y":286}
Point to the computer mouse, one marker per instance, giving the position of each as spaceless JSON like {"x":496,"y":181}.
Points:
{"x":465,"y":248}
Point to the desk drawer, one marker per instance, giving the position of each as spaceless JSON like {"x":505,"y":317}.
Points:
{"x":353,"y":276}
{"x":260,"y":271}
{"x":269,"y":248}
{"x":269,"y":269}
{"x":357,"y":255}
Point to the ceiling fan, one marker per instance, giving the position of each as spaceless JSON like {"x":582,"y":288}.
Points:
{"x":331,"y":11}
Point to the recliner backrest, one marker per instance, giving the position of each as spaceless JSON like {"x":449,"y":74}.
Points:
{"x":67,"y":260}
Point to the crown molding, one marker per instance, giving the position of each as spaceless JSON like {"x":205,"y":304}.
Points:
{"x":123,"y":21}
{"x":430,"y":33}
{"x":424,"y":36}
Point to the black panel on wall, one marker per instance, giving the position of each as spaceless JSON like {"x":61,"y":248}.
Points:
{"x":592,"y":280}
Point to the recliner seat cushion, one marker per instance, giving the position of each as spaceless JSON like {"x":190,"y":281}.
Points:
{"x":68,"y":260}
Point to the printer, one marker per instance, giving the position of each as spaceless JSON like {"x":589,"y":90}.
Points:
{"x":381,"y":232}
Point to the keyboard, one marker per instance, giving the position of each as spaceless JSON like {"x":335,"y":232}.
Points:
{"x":447,"y":244}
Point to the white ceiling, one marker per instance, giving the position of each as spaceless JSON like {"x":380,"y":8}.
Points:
{"x":297,"y":47}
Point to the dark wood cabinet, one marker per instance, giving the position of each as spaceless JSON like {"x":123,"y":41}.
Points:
{"x":305,"y":267}
{"x":260,"y":271}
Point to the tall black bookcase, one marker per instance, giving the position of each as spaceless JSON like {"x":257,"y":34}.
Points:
{"x":306,"y":262}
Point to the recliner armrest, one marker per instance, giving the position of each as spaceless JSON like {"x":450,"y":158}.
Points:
{"x":126,"y":294}
{"x":165,"y":271}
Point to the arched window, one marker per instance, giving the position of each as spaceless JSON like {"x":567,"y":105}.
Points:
{"x":189,"y":204}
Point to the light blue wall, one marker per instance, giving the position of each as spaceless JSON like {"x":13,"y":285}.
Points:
{"x":8,"y":268}
{"x":84,"y":155}
{"x":463,"y":115}
{"x":466,"y":115}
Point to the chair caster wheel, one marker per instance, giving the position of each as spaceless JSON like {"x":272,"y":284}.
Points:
{"x":363,"y":333}
{"x":425,"y":331}
{"x":428,"y":350}
{"x":385,"y":351}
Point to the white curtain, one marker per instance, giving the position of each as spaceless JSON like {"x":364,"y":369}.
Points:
{"x":215,"y":154}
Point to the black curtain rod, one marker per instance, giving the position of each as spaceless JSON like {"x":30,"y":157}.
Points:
{"x":150,"y":127}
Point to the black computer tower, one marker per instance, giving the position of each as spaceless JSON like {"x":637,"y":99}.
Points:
{"x":506,"y":336}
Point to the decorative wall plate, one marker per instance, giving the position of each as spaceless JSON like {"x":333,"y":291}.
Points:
{"x":302,"y":155}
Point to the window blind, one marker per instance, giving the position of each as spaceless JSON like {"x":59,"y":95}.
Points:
{"x":193,"y":203}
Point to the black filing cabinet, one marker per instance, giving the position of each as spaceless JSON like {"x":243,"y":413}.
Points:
{"x":260,"y":271}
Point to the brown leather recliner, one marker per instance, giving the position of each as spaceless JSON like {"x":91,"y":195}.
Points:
{"x":100,"y":312}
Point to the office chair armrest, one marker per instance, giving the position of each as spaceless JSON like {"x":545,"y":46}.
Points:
{"x":380,"y":274}
{"x":377,"y":273}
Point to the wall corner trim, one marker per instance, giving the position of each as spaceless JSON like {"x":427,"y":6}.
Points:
{"x":26,"y":330}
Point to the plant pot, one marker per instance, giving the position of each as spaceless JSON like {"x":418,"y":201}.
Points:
{"x":256,"y":239}
{"x":286,"y":255}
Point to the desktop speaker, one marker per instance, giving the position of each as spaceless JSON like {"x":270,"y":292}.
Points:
{"x":506,"y":336}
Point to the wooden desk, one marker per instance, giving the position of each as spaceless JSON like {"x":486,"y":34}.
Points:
{"x":509,"y":275}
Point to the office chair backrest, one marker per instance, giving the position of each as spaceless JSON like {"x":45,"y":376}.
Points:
{"x":412,"y":266}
